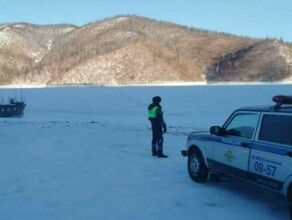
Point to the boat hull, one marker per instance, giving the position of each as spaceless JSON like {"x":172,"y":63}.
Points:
{"x":12,"y":110}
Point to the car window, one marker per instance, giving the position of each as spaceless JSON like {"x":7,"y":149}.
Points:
{"x":242,"y":125}
{"x":276,"y":128}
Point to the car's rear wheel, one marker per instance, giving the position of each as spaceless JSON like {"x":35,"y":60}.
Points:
{"x":196,"y":167}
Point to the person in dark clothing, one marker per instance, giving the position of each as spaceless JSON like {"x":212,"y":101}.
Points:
{"x":155,"y":115}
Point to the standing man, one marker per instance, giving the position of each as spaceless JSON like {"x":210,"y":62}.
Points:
{"x":155,"y":115}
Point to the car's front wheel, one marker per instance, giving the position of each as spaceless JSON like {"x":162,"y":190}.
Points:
{"x":290,"y":200}
{"x":290,"y":209}
{"x":196,"y":167}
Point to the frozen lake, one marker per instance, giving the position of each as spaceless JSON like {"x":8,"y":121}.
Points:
{"x":187,"y":104}
{"x":84,"y":153}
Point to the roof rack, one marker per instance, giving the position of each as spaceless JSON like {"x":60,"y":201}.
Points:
{"x":281,"y":100}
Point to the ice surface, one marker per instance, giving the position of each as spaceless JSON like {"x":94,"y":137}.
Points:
{"x":84,"y":153}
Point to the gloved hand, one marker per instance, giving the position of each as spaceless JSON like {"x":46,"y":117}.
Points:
{"x":164,"y":128}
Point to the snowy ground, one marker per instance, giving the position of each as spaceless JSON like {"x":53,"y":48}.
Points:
{"x":84,"y":153}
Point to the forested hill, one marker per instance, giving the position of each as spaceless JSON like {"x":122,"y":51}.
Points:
{"x":135,"y":50}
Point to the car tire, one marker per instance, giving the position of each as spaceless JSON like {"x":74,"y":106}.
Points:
{"x":290,"y":209}
{"x":196,"y":167}
{"x":290,"y":200}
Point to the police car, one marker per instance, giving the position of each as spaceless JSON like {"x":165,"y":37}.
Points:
{"x":254,"y":144}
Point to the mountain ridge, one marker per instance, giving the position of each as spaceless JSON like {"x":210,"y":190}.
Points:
{"x":135,"y":50}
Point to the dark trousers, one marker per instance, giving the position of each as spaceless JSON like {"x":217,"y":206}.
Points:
{"x":157,"y":137}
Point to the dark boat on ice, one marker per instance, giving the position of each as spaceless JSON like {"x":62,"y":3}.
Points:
{"x":13,"y":108}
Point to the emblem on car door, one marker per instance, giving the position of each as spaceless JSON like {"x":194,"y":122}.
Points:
{"x":229,"y":155}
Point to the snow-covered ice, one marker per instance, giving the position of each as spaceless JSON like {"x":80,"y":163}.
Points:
{"x":84,"y":153}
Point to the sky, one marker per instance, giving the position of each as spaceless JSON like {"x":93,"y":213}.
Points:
{"x":252,"y":18}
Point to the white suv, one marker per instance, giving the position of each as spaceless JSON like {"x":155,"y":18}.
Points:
{"x":254,"y":144}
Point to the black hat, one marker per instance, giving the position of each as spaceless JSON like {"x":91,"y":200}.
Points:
{"x":156,"y":99}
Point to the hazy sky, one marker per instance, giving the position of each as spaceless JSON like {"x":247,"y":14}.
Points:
{"x":254,"y":18}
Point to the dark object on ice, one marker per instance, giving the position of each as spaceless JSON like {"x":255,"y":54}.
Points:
{"x":13,"y":108}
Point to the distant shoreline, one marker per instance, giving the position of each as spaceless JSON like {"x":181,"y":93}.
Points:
{"x":174,"y":84}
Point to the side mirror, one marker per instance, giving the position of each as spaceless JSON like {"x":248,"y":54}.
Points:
{"x":216,"y":130}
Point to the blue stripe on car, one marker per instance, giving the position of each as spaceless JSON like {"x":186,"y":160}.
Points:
{"x":242,"y":174}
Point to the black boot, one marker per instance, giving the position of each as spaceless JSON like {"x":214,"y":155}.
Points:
{"x":160,"y":154}
{"x":154,"y":151}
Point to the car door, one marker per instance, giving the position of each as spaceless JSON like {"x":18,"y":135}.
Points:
{"x":231,"y":150}
{"x":271,"y":154}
